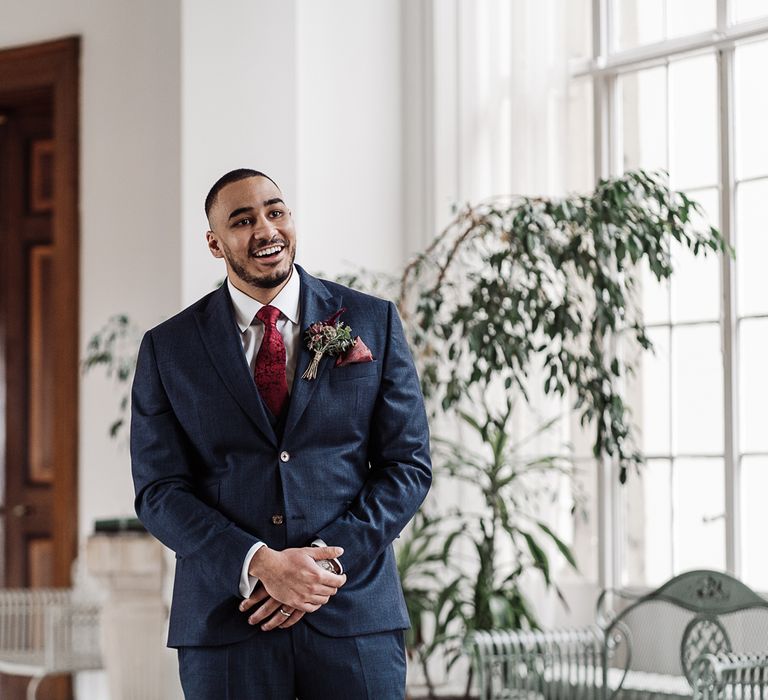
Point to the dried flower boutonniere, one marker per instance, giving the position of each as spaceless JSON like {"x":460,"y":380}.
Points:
{"x":329,"y":337}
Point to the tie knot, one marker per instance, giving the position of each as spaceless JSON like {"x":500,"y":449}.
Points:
{"x":268,"y":315}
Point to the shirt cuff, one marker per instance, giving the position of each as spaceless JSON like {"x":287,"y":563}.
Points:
{"x":248,"y":582}
{"x":317,"y":542}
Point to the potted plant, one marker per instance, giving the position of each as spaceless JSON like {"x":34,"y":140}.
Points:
{"x":114,"y":348}
{"x":522,"y":287}
{"x":515,"y":284}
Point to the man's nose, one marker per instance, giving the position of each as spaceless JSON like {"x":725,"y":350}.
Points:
{"x":264,"y":227}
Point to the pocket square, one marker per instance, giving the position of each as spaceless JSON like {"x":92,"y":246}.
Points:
{"x":359,"y":352}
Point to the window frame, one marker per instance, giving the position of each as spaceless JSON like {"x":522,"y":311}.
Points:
{"x":603,"y":70}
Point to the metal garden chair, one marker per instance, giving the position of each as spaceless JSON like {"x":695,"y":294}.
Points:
{"x":701,"y":635}
{"x":45,"y":632}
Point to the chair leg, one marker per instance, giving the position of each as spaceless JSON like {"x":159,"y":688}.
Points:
{"x":32,"y":687}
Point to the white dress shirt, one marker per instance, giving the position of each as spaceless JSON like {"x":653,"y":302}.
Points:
{"x":288,"y":302}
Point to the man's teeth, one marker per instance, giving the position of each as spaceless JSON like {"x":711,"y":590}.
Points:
{"x":268,"y":251}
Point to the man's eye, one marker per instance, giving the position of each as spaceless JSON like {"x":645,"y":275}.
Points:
{"x":244,"y":222}
{"x":276,"y":213}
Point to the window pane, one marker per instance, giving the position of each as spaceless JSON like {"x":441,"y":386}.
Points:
{"x":754,"y":521}
{"x":637,"y":22}
{"x":690,"y":16}
{"x":697,"y":390}
{"x":655,"y":298}
{"x":693,"y":123}
{"x":753,"y":382}
{"x":751,"y":247}
{"x":699,"y":514}
{"x":656,"y":395}
{"x":644,"y":119}
{"x":647,"y":507}
{"x":695,"y":281}
{"x":751,"y":109}
{"x":749,"y":9}
{"x":640,"y":22}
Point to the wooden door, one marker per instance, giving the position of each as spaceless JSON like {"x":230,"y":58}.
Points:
{"x":38,"y":326}
{"x":26,"y":240}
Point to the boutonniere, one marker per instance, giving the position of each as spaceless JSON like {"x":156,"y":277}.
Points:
{"x":329,"y":337}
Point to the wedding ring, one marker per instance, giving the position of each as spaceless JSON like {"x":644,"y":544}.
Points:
{"x":282,"y":612}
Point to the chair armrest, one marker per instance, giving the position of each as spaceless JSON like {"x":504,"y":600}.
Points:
{"x":610,"y":603}
{"x":713,"y":673}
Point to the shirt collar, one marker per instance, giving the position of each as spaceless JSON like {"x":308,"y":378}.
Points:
{"x":287,"y":301}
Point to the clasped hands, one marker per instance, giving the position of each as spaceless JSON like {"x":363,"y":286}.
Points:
{"x":290,"y":581}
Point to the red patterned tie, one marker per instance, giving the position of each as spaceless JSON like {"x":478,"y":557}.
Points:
{"x":269,"y":370}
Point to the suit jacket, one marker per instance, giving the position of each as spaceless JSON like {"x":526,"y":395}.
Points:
{"x":212,"y":476}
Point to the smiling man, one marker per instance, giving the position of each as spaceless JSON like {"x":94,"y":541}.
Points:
{"x":258,"y":269}
{"x":281,"y":494}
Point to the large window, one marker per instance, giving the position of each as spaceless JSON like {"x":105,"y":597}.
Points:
{"x":679,"y":85}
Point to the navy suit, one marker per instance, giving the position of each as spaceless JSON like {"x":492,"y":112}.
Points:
{"x":214,"y":473}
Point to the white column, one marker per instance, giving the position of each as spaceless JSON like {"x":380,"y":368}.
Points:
{"x":130,"y":567}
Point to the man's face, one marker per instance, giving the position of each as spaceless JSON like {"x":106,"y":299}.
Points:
{"x":252,"y":229}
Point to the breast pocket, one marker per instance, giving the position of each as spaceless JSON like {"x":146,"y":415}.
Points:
{"x":361,"y":370}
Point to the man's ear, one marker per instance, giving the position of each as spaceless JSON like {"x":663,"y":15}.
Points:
{"x":213,"y":244}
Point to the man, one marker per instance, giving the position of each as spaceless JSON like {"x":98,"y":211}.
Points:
{"x":281,"y":495}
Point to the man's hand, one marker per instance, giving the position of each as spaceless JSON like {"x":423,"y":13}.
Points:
{"x":292,"y":578}
{"x":268,"y":611}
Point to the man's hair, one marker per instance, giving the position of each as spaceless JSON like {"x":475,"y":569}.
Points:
{"x":228,"y":178}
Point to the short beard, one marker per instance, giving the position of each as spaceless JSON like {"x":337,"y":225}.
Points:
{"x":259,"y":282}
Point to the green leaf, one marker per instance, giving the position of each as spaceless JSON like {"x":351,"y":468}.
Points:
{"x":540,"y":558}
{"x":565,"y":550}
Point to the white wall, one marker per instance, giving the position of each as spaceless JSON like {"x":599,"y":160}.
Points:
{"x":349,"y":207}
{"x":312,"y":98}
{"x":239,"y":98}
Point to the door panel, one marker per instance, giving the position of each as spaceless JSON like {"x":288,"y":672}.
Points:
{"x":30,"y":386}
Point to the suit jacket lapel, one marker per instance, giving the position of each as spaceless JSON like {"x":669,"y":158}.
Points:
{"x":317,"y":304}
{"x":221,"y":338}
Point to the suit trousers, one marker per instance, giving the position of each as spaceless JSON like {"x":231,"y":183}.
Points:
{"x":297,"y":663}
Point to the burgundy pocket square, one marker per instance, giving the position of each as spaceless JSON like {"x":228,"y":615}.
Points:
{"x":359,"y":352}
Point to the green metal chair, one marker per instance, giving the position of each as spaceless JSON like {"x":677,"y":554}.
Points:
{"x":702,"y":635}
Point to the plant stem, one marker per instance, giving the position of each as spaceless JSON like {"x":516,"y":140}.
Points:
{"x":468,"y":689}
{"x":430,"y":685}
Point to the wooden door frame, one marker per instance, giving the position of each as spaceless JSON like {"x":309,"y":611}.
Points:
{"x":55,"y":66}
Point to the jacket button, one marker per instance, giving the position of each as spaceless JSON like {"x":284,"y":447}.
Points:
{"x":277,"y":519}
{"x":284,"y":456}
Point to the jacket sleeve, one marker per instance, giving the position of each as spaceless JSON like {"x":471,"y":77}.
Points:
{"x":398,"y":452}
{"x":167,"y":489}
